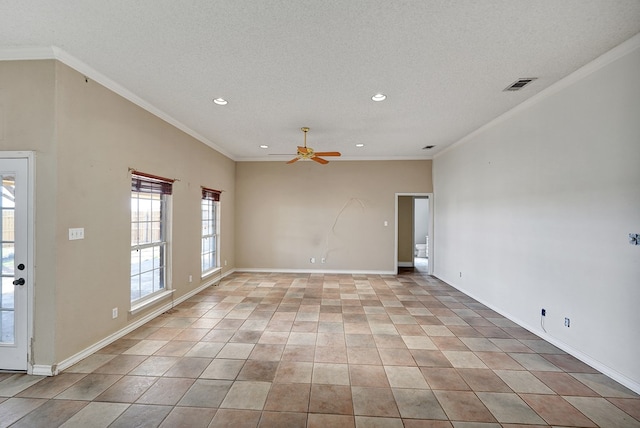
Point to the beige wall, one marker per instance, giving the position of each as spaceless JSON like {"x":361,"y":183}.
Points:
{"x":86,"y":137}
{"x":287,"y":214}
{"x":27,"y":123}
{"x":405,"y":229}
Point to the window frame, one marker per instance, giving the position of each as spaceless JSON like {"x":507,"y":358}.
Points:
{"x":152,"y":188}
{"x":211,"y":198}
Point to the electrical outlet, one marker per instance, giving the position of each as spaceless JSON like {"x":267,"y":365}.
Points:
{"x":312,"y":260}
{"x":634,"y":239}
{"x":460,"y":274}
{"x":567,"y":322}
{"x":225,"y":262}
{"x":544,"y":312}
{"x":114,"y":313}
{"x":323,"y":260}
{"x":190,"y":278}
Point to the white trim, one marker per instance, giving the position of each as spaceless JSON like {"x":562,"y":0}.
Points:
{"x":603,"y":60}
{"x":327,"y":271}
{"x":397,"y":264}
{"x":602,"y":368}
{"x":144,"y":304}
{"x":43,"y":370}
{"x":26,"y":53}
{"x":31,"y":227}
{"x":54,"y":52}
{"x":281,"y":158}
{"x":68,"y":362}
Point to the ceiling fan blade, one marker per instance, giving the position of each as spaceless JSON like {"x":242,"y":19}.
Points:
{"x":328,"y":154}
{"x":293,"y":160}
{"x":319,"y":160}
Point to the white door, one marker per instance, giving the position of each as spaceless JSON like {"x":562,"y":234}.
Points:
{"x":13,"y":234}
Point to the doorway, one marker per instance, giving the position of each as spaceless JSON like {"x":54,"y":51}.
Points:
{"x":16,"y":226}
{"x":414,"y":237}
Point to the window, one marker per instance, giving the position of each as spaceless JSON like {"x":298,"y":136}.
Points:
{"x":150,"y":197}
{"x":210,"y":229}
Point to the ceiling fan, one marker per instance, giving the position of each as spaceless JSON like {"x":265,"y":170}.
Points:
{"x":305,"y":152}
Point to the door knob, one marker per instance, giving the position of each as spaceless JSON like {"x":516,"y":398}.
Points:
{"x":19,"y":281}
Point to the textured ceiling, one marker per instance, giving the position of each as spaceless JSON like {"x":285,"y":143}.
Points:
{"x":286,"y":64}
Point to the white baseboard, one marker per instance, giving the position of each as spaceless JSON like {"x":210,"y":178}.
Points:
{"x":325,"y":271}
{"x":602,"y":368}
{"x":42,"y":370}
{"x":68,"y":362}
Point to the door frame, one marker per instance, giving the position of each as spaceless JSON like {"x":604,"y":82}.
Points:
{"x":30,"y":157}
{"x":430,"y":249}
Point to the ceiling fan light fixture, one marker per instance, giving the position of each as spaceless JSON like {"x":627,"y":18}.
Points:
{"x":221,"y":101}
{"x":379,"y":97}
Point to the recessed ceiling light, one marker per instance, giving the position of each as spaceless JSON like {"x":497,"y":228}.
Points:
{"x":359,"y":145}
{"x":264,"y":146}
{"x":221,"y":101}
{"x":379,"y":97}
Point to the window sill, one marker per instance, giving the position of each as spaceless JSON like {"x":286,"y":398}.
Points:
{"x":142,"y":305}
{"x":211,"y":272}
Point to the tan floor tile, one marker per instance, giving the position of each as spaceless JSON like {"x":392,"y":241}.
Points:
{"x":509,"y":408}
{"x":332,"y":374}
{"x":463,"y":406}
{"x":628,"y":405}
{"x":236,"y":418}
{"x":363,"y":356}
{"x":89,"y":387}
{"x":483,"y":380}
{"x":192,"y":417}
{"x":279,"y":419}
{"x":334,"y":399}
{"x":330,"y":354}
{"x":294,"y":372}
{"x":426,"y":358}
{"x":499,"y":361}
{"x":523,"y":382}
{"x":299,"y":353}
{"x":418,"y":404}
{"x":13,"y":409}
{"x":604,"y":385}
{"x":449,"y":343}
{"x":324,"y":421}
{"x":206,"y":393}
{"x":396,"y":357}
{"x":121,"y":364}
{"x":258,"y":370}
{"x":51,"y":413}
{"x":564,"y":384}
{"x":51,"y":386}
{"x":602,"y":412}
{"x":555,"y":410}
{"x":368,"y":375}
{"x":188,"y":367}
{"x":96,"y":415}
{"x":223,"y":369}
{"x":127,"y":389}
{"x":288,"y":397}
{"x":141,"y":415}
{"x":464,"y":360}
{"x":166,"y":391}
{"x":374,"y":402}
{"x":246,"y":395}
{"x":405,"y":377}
{"x":444,"y":379}
{"x":534,"y":362}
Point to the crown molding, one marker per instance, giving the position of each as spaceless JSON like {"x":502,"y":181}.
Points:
{"x":603,"y":60}
{"x":54,"y":52}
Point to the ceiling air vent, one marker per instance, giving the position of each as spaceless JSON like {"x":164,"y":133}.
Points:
{"x":427,"y":147}
{"x":519,"y":84}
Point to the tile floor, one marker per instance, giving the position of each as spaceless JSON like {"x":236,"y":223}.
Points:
{"x":285,"y":350}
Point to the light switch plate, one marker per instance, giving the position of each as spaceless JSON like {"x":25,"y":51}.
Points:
{"x":76,"y":233}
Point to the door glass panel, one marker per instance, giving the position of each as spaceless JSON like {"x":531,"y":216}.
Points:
{"x":7,"y":233}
